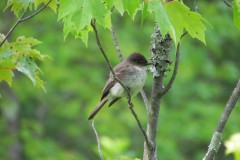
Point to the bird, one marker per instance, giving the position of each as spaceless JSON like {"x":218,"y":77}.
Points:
{"x":132,"y":73}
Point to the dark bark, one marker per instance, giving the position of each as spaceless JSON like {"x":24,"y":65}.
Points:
{"x":159,"y":49}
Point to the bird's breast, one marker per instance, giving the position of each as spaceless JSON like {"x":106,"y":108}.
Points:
{"x":134,"y":81}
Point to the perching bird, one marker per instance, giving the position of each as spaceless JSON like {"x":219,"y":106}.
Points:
{"x":132,"y":73}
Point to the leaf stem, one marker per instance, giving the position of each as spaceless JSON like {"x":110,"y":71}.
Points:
{"x":98,"y":140}
{"x":169,"y":85}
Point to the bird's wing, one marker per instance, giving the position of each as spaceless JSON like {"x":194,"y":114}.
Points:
{"x":110,"y":83}
{"x":118,"y":70}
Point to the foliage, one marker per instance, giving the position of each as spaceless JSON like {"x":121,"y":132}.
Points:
{"x":233,"y":145}
{"x":77,"y":16}
{"x":17,"y":6}
{"x":21,"y":56}
{"x":57,"y":122}
{"x":236,"y":13}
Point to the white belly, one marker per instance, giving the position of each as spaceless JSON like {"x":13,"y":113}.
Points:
{"x":135,"y":82}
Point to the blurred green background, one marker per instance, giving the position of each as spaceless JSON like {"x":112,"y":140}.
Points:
{"x":54,"y":126}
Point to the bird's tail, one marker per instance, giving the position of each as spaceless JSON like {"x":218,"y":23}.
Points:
{"x":98,"y":107}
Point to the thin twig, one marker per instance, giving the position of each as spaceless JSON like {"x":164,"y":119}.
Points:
{"x":139,"y":123}
{"x":184,"y":33}
{"x":120,"y":56}
{"x":195,"y":3}
{"x":116,"y":44}
{"x":93,"y":24}
{"x":98,"y":141}
{"x":145,"y":100}
{"x":216,"y":138}
{"x":11,"y":30}
{"x":169,"y":85}
{"x":21,"y":19}
{"x":229,"y":4}
{"x":38,"y":11}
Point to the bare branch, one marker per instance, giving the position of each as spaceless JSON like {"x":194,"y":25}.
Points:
{"x":195,"y":3}
{"x":93,"y":24}
{"x":38,"y":11}
{"x":229,"y":4}
{"x":159,"y":49}
{"x":98,"y":141}
{"x":120,"y":56}
{"x":169,"y":85}
{"x":21,"y":19}
{"x":139,"y":123}
{"x":216,"y":138}
{"x":11,"y":30}
{"x":145,"y":100}
{"x":184,"y":33}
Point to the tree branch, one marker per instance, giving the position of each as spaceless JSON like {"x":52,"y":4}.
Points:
{"x":195,"y":3}
{"x":93,"y":24}
{"x":21,"y":19}
{"x":229,"y":4}
{"x":159,"y":49}
{"x":217,"y":136}
{"x":98,"y":141}
{"x":120,"y":56}
{"x":145,"y":100}
{"x":169,"y":85}
{"x":38,"y":11}
{"x":11,"y":30}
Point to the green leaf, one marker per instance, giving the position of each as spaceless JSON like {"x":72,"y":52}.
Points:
{"x":37,"y":54}
{"x":84,"y":34}
{"x":83,"y":17}
{"x":31,"y":70}
{"x":99,"y":12}
{"x":131,"y":6}
{"x":118,"y":4}
{"x":77,"y":15}
{"x":144,"y":12}
{"x":162,"y":18}
{"x":20,"y":55}
{"x":6,"y":72}
{"x":53,"y":4}
{"x":182,"y":18}
{"x":175,"y":17}
{"x":236,"y":13}
{"x":29,"y":40}
{"x":18,"y":5}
